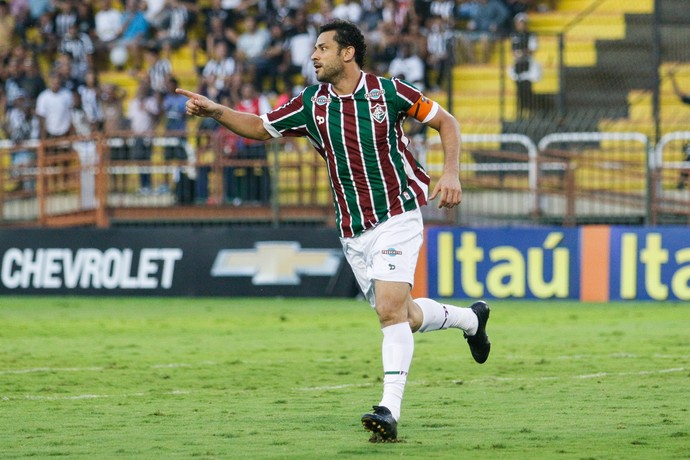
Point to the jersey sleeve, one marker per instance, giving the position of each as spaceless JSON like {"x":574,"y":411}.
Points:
{"x":412,"y":102}
{"x":287,"y":120}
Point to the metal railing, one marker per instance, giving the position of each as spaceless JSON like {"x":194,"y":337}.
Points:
{"x":565,"y":178}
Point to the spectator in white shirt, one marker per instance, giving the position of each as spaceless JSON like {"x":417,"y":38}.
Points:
{"x":53,"y":108}
{"x":408,"y":66}
{"x":107,"y":29}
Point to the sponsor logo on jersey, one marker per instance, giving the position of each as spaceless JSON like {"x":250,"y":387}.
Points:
{"x":375,"y":94}
{"x":391,"y":252}
{"x":321,"y":100}
{"x":378,"y":112}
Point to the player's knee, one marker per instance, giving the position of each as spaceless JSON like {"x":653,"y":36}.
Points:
{"x":391,"y":313}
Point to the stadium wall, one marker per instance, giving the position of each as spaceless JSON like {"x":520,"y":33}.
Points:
{"x":589,"y":263}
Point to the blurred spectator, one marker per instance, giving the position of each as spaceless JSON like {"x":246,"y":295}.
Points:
{"x":273,"y":60}
{"x":107,"y":28}
{"x":13,"y":81}
{"x":48,"y":38}
{"x":32,"y":81}
{"x":65,"y":15}
{"x":384,"y":46}
{"x":21,"y":125}
{"x":86,"y":150}
{"x":80,"y":47}
{"x":408,"y":66}
{"x":415,"y":36}
{"x":155,"y":12}
{"x":86,"y":20}
{"x":219,"y":19}
{"x":348,"y":10}
{"x":438,"y":58}
{"x":466,"y":9}
{"x":20,"y":10}
{"x":158,"y":70}
{"x":444,"y":9}
{"x":134,"y":33}
{"x":221,"y":72}
{"x":174,"y":108}
{"x":525,"y":70}
{"x":111,"y":101}
{"x":63,"y":67}
{"x":397,"y":12}
{"x":249,"y":183}
{"x":300,"y":46}
{"x":251,"y":44}
{"x":53,"y":108}
{"x":219,"y":33}
{"x":39,"y":8}
{"x":325,"y":13}
{"x":171,"y":33}
{"x":484,"y":27}
{"x":143,"y":112}
{"x":7,"y":25}
{"x":90,"y":99}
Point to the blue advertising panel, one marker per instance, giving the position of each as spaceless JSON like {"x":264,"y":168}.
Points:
{"x":650,"y":263}
{"x":530,"y":263}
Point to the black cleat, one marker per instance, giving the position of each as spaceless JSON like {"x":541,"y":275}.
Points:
{"x":381,"y":423}
{"x":479,"y":342}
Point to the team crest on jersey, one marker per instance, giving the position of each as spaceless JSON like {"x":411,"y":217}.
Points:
{"x":375,"y":94}
{"x":321,"y":100}
{"x":378,"y":112}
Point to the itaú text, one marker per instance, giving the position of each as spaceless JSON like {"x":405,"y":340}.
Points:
{"x":54,"y":268}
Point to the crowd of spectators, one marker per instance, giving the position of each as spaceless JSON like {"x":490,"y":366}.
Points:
{"x":52,"y":53}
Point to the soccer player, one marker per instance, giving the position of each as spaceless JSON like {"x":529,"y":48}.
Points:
{"x":354,"y":119}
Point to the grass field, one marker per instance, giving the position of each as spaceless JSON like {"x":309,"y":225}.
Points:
{"x":290,"y":378}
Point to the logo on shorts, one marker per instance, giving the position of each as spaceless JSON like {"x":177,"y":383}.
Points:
{"x":391,"y":252}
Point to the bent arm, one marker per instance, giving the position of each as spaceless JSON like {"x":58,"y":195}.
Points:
{"x":241,"y":123}
{"x":448,"y":186}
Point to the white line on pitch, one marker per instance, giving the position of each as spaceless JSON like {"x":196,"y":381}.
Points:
{"x":87,"y":396}
{"x":510,"y":379}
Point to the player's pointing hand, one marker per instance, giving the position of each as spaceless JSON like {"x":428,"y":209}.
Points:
{"x":199,"y":105}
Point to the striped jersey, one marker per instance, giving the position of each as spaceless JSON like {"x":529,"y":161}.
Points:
{"x":372,"y":172}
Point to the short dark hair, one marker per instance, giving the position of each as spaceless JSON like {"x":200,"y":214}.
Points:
{"x":347,"y":34}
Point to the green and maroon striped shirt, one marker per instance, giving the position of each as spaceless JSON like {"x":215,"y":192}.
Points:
{"x":372,"y":172}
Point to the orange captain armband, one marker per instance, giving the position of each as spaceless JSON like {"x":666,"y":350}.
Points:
{"x":423,"y":110}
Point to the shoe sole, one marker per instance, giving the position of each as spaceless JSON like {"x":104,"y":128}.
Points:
{"x":381,"y":431}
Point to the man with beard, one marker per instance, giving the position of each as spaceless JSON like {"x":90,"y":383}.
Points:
{"x":354,"y":119}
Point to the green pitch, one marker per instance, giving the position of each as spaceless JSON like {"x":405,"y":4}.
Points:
{"x":277,"y":378}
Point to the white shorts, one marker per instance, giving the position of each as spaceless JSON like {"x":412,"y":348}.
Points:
{"x":387,"y":252}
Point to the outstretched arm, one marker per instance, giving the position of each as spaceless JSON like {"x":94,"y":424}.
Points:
{"x":448,"y":187}
{"x":243,"y":124}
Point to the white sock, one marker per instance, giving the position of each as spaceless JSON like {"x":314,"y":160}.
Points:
{"x":439,"y":316}
{"x":396,"y":351}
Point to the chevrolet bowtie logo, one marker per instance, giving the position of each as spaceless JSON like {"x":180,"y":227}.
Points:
{"x":276,"y":262}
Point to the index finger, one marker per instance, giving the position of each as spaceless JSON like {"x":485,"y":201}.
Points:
{"x":186,"y":93}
